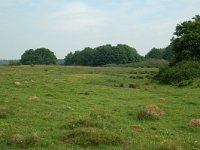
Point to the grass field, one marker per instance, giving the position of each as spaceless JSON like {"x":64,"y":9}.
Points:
{"x":57,"y":107}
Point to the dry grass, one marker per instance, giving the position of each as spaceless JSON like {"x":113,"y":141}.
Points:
{"x":137,"y":128}
{"x":156,"y":109}
{"x":194,"y":122}
{"x":33,"y":98}
{"x":150,"y":112}
{"x":18,"y":83}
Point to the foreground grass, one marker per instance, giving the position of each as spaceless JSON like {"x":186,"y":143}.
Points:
{"x":57,"y":107}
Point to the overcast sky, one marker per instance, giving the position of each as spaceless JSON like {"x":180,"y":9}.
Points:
{"x":69,"y":25}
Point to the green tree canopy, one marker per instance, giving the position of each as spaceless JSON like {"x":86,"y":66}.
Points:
{"x":168,"y":53}
{"x":186,"y":40}
{"x":155,"y":53}
{"x":102,"y":55}
{"x":38,"y":56}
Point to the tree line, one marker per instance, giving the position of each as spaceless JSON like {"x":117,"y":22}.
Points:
{"x":102,"y":55}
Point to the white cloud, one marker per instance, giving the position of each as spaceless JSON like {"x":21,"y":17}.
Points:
{"x":76,"y":17}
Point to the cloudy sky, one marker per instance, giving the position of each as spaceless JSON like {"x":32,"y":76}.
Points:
{"x":69,"y":25}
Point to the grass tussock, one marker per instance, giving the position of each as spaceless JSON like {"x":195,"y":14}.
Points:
{"x":33,"y":98}
{"x":5,"y":112}
{"x":92,"y":137}
{"x":169,"y":145}
{"x":95,"y":119}
{"x":94,"y":129}
{"x":137,"y":128}
{"x":194,"y":122}
{"x":150,"y":112}
{"x":23,"y":141}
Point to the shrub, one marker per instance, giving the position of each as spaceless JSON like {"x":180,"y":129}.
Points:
{"x":183,"y":71}
{"x":150,"y":63}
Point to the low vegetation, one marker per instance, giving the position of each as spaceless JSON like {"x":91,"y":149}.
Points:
{"x":180,"y":74}
{"x":59,"y":107}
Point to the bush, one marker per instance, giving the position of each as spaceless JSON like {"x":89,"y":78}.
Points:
{"x":150,"y":63}
{"x":180,"y":74}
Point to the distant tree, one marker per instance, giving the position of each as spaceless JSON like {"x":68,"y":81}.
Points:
{"x":45,"y":56}
{"x":38,"y":56}
{"x":28,"y":57}
{"x":103,"y":55}
{"x":69,"y":59}
{"x":131,"y":53}
{"x":87,"y":57}
{"x":155,"y":53}
{"x":186,"y":40}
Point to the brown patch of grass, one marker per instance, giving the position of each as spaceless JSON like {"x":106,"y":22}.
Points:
{"x":137,"y":128}
{"x":155,"y":108}
{"x":150,"y":112}
{"x":194,"y":122}
{"x":33,"y":98}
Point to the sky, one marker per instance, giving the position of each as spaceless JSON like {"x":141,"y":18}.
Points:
{"x":65,"y":26}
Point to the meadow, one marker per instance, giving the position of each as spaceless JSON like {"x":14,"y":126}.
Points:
{"x":59,"y":107}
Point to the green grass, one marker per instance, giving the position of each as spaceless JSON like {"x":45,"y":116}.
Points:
{"x":88,"y":108}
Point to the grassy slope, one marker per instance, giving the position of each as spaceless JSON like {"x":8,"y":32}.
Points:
{"x":68,"y":94}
